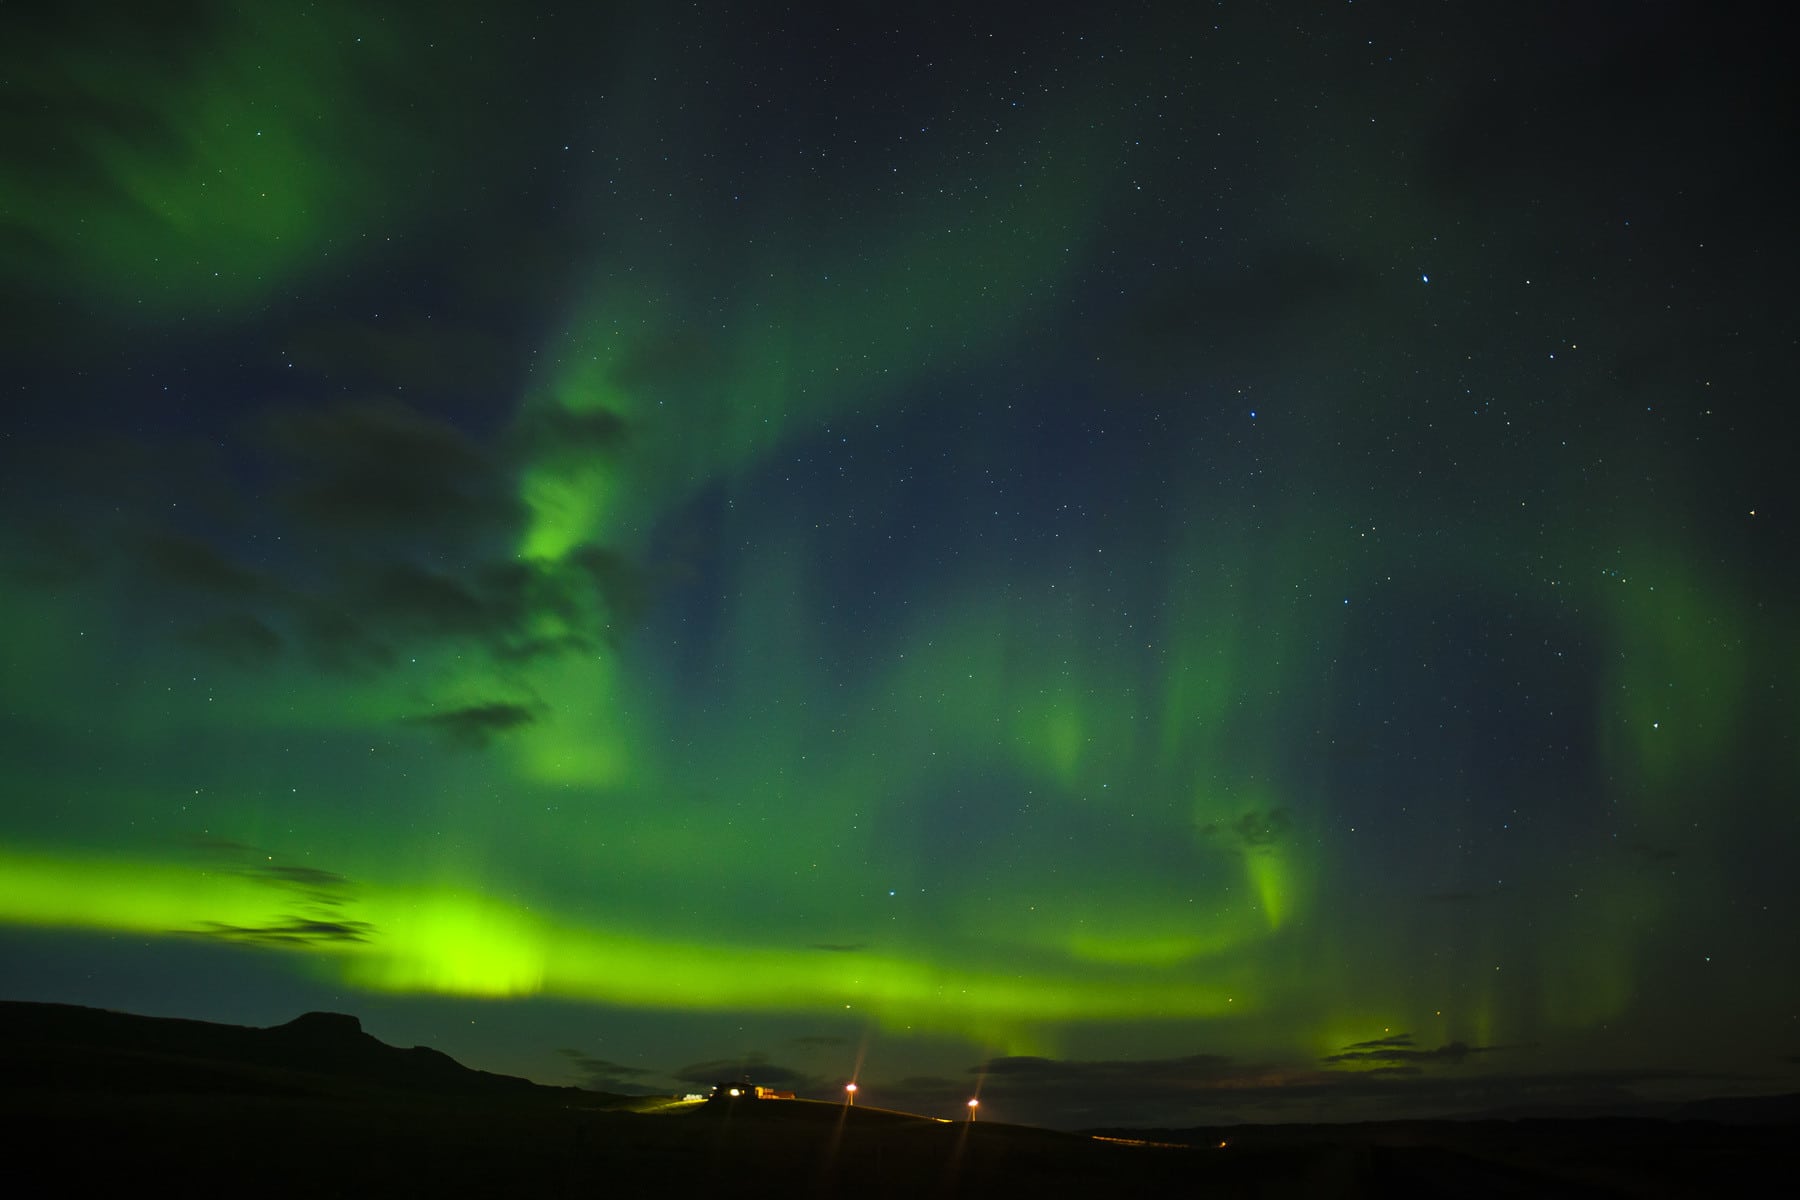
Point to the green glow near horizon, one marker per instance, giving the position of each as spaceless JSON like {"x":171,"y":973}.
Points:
{"x":972,"y":682}
{"x":455,"y":942}
{"x":877,"y":597}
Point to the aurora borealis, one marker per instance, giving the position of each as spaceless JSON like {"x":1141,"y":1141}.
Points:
{"x":1187,"y":563}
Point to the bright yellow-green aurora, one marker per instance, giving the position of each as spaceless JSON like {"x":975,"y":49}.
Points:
{"x":1150,"y":542}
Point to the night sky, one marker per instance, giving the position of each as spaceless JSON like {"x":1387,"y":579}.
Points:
{"x":1161,"y":563}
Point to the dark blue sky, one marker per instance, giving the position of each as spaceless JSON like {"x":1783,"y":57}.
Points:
{"x":1183,"y":563}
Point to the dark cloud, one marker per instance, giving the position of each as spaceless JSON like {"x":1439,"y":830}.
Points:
{"x":1400,"y":1049}
{"x":327,"y":888}
{"x":528,"y":649}
{"x":405,"y":544}
{"x":337,"y":641}
{"x":1397,"y":1080}
{"x":1253,"y":830}
{"x":840,"y":947}
{"x":667,"y":362}
{"x":602,"y":1075}
{"x":512,"y":611}
{"x":428,"y":356}
{"x":619,"y":582}
{"x":410,"y":599}
{"x":128,"y":513}
{"x":238,"y":638}
{"x":311,"y":876}
{"x":556,"y":434}
{"x":820,"y":1040}
{"x":294,"y":931}
{"x":385,"y":468}
{"x":190,"y":563}
{"x":354,"y":616}
{"x":478,"y":724}
{"x":754,"y":1067}
{"x":320,"y":893}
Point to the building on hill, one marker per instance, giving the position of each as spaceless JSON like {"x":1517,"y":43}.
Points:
{"x":743,"y":1089}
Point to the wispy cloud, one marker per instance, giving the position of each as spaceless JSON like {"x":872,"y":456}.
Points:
{"x":1254,"y":829}
{"x":1400,"y":1049}
{"x":319,"y":897}
{"x":478,"y":724}
{"x":1395,"y":1078}
{"x":604,"y":1075}
{"x":294,"y":931}
{"x":755,"y":1067}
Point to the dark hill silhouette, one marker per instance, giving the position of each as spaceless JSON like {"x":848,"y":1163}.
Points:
{"x":1743,"y":1110}
{"x":63,"y":1047}
{"x":104,"y":1101}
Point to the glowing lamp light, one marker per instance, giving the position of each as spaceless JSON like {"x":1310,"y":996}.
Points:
{"x":850,"y":1093}
{"x":973,"y":1105}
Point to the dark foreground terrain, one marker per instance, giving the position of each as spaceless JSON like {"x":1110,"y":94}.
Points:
{"x":95,"y":1100}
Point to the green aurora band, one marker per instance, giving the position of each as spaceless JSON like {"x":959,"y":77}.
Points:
{"x":1042,"y":786}
{"x":457,"y":943}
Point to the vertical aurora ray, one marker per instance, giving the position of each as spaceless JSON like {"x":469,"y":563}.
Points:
{"x":1015,"y":537}
{"x":850,"y":327}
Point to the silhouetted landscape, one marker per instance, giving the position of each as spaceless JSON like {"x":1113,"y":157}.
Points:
{"x":1077,"y":599}
{"x":97,"y":1099}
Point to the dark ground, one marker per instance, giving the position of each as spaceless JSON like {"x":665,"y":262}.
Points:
{"x":95,"y":1101}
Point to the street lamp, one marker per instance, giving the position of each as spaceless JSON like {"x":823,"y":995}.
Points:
{"x":973,"y":1105}
{"x":850,"y":1095}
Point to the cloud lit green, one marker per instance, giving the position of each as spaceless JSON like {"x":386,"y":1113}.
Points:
{"x":1128,"y":538}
